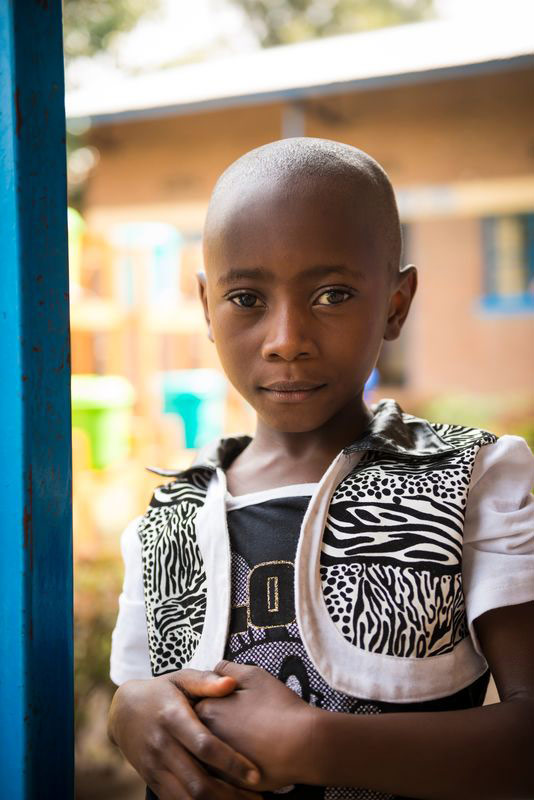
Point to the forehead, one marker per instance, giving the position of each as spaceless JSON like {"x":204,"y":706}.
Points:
{"x":293,"y":223}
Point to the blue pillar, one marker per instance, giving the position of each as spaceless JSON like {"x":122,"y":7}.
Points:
{"x":36,"y":686}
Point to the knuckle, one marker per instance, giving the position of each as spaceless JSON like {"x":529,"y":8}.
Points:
{"x":179,"y":676}
{"x":166,"y":714}
{"x":204,"y":710}
{"x":199,"y":790}
{"x":231,"y":765}
{"x":222,"y":667}
{"x":154,"y":744}
{"x":162,"y":717}
{"x":179,"y":680}
{"x":205,"y":746}
{"x":128,"y":694}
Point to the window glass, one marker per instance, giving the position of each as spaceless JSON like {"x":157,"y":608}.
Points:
{"x":509,"y":261}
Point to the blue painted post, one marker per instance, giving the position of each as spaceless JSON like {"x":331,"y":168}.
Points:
{"x":36,"y":686}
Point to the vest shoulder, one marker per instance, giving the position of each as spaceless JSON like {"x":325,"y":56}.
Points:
{"x":190,"y":485}
{"x":460,"y":436}
{"x":393,"y":431}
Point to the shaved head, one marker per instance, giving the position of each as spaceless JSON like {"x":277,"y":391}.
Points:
{"x":302,"y":281}
{"x":304,"y":164}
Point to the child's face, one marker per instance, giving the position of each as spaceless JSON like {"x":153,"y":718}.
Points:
{"x":298,"y":299}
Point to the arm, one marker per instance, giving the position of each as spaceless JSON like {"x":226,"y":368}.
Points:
{"x":153,"y":720}
{"x":155,"y":725}
{"x":477,"y":753}
{"x":481,"y":753}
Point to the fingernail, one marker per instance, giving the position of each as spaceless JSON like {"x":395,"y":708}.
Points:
{"x":253,"y":777}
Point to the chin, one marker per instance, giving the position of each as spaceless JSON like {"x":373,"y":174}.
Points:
{"x":291,"y":423}
{"x":288,"y":428}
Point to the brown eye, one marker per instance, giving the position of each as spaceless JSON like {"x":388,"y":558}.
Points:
{"x":245,"y":300}
{"x":332,"y":297}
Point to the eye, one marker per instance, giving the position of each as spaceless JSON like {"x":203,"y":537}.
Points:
{"x":245,"y":300}
{"x":332,"y":297}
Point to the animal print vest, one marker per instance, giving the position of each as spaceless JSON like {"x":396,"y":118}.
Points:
{"x":378,"y":571}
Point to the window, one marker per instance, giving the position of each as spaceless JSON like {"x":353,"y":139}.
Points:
{"x":508,"y":243}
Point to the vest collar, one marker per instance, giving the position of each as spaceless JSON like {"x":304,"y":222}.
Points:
{"x":393,"y":431}
{"x":390,"y":431}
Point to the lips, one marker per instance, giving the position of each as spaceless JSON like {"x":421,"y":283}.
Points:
{"x":292,"y":391}
{"x":292,"y":386}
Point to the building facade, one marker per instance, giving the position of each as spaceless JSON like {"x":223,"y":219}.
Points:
{"x":458,"y":145}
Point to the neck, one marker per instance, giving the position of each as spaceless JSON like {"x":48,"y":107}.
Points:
{"x":339,"y":431}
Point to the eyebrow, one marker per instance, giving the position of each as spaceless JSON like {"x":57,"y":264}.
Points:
{"x":259,"y":273}
{"x":250,"y":273}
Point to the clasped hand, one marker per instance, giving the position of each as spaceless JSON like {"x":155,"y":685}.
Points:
{"x":265,"y":721}
{"x":216,"y":735}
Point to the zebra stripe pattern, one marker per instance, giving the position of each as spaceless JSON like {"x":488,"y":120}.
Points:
{"x":390,"y":560}
{"x":174,"y":575}
{"x":392,"y":550}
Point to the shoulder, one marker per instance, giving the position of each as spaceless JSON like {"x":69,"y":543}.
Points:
{"x":509,"y":457}
{"x":191,"y":485}
{"x":456,"y":437}
{"x":393,"y":431}
{"x":498,"y":556}
{"x":501,"y":481}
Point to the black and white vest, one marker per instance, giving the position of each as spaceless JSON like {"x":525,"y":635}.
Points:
{"x":378,"y":571}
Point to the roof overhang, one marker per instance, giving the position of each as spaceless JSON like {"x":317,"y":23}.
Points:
{"x":408,"y":54}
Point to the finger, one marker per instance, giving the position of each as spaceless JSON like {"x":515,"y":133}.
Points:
{"x":195,"y":683}
{"x":167,"y":787}
{"x":185,"y":778}
{"x":192,"y":776}
{"x":182,"y":723}
{"x":229,"y":669}
{"x":233,"y":793}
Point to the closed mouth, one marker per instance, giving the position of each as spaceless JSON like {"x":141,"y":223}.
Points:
{"x":292,"y":386}
{"x":292,"y":392}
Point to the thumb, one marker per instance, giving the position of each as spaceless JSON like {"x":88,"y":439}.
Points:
{"x":197,"y":683}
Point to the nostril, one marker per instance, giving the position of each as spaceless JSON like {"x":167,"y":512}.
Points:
{"x":288,"y":338}
{"x":281,"y":355}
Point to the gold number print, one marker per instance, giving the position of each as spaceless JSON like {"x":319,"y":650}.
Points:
{"x":271,"y":594}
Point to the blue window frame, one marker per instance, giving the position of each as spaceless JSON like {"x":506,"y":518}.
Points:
{"x":508,"y":248}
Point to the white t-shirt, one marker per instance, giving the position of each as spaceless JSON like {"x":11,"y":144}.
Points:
{"x":498,"y":554}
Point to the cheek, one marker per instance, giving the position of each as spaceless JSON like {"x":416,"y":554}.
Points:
{"x":356,"y":341}
{"x":234,"y":337}
{"x":238,"y":354}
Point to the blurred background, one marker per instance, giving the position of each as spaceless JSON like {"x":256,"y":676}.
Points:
{"x":162,"y":96}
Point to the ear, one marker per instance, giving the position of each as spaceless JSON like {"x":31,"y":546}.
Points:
{"x":401,"y":300}
{"x":203,"y":292}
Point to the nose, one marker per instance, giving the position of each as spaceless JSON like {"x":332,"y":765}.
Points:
{"x":288,"y":335}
